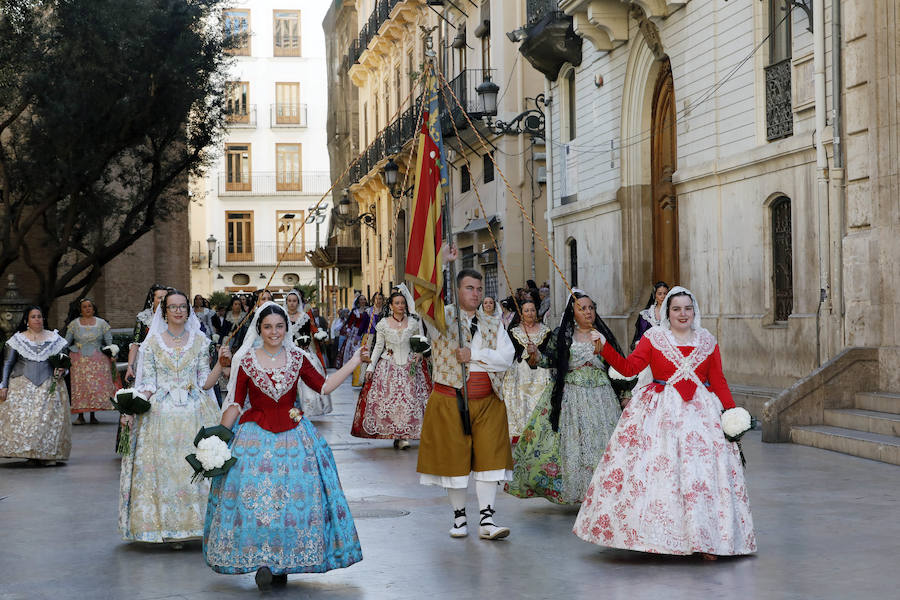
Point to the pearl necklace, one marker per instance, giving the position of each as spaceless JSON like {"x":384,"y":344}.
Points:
{"x":176,"y":337}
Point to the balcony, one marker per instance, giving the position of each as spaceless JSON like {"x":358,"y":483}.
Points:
{"x":381,"y":14}
{"x":336,"y":256}
{"x":282,"y":115}
{"x":236,"y":253}
{"x":241,"y":117}
{"x":550,"y":39}
{"x":389,"y":143}
{"x":274,"y":184}
{"x":463,"y":99}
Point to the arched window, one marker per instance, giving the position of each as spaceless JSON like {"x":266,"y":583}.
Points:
{"x":573,"y":263}
{"x":782,"y":258}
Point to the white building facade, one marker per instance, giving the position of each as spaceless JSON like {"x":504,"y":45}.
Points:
{"x":273,"y":166}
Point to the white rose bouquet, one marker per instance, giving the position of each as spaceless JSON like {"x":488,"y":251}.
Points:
{"x":215,"y":338}
{"x":613,"y":374}
{"x":735,"y":423}
{"x":213,"y":456}
{"x":111,"y":351}
{"x":302,"y":340}
{"x":321,"y":335}
{"x":419,"y":344}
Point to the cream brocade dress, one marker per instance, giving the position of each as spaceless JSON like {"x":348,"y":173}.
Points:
{"x":522,"y":385}
{"x":157,"y":501}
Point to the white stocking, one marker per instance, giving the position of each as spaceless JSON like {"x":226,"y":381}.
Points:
{"x":457,"y":498}
{"x":487,"y":493}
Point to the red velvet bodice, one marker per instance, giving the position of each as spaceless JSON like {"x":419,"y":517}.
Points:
{"x":646,"y":353}
{"x":259,"y":386}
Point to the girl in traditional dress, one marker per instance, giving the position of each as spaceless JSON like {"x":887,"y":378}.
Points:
{"x":280,"y":509}
{"x":523,"y":385}
{"x":34,"y":422}
{"x":647,"y":318}
{"x":489,"y":306}
{"x":301,"y":324}
{"x":204,"y":314}
{"x":670,"y":482}
{"x":391,"y":404}
{"x":93,"y":382}
{"x":367,"y":330}
{"x":157,"y":501}
{"x":578,"y":411}
{"x":353,"y":329}
{"x":142,"y":326}
{"x":235,"y":315}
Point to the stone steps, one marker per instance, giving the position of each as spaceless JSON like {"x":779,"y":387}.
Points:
{"x":885,"y":448}
{"x":870,"y":430}
{"x":753,"y":398}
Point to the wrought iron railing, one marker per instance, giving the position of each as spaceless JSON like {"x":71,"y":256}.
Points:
{"x":248,"y":254}
{"x":779,"y":112}
{"x":459,"y":97}
{"x":283,"y":114}
{"x":241,"y":117}
{"x":284,"y":183}
{"x":536,"y":9}
{"x":380,"y":14}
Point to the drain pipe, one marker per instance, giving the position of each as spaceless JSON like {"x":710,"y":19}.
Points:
{"x":548,"y":189}
{"x":838,"y":172}
{"x":821,"y":165}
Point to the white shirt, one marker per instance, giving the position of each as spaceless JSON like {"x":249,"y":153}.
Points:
{"x":497,"y":360}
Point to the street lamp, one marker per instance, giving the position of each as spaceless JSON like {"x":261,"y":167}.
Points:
{"x":211,"y":247}
{"x":487,"y":95}
{"x":347,"y":221}
{"x":317,"y":216}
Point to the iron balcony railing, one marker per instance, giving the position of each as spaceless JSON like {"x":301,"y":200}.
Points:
{"x":288,"y":115}
{"x":282,"y":183}
{"x":243,"y":253}
{"x":241,"y":117}
{"x":389,"y":142}
{"x":459,"y":97}
{"x":380,"y":14}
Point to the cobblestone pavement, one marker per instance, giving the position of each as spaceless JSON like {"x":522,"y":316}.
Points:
{"x":827,"y":527}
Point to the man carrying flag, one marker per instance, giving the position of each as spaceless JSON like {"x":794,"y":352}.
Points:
{"x":465,"y":429}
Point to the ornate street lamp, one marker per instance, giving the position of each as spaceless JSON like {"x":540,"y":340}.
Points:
{"x":487,"y":95}
{"x":211,"y":247}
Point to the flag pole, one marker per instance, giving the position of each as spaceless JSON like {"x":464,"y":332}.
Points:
{"x":462,"y":395}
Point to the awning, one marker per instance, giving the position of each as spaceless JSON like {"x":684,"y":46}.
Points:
{"x":478,"y":224}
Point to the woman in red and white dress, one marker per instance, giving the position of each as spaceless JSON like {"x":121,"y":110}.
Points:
{"x":669,"y":482}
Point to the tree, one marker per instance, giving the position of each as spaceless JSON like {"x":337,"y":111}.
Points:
{"x":106,"y":108}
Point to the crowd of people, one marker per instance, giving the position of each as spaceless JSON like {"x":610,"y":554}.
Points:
{"x":501,"y":396}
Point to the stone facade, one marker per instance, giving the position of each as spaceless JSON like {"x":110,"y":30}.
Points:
{"x":727,"y":178}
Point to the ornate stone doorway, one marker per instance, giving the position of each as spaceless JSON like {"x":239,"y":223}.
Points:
{"x":663,"y":153}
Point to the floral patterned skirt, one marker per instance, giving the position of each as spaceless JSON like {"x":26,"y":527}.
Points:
{"x":35,"y":423}
{"x":559,"y":465}
{"x":392,"y":405}
{"x":522,"y":388}
{"x":157,"y":500}
{"x":669,"y":482}
{"x":310,"y":402}
{"x":280,"y":506}
{"x":92,"y":382}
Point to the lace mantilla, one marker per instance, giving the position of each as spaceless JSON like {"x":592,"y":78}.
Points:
{"x":40,"y":351}
{"x":685,"y":366}
{"x":274,"y":383}
{"x":649,"y":315}
{"x":145,"y":316}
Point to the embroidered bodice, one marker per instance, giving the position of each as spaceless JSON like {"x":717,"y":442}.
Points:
{"x":177,"y":372}
{"x":142,"y":325}
{"x":646,"y":319}
{"x":394,"y":341}
{"x":88,"y":339}
{"x":684,"y":367}
{"x":522,"y":339}
{"x":271,"y":393}
{"x":30,"y":359}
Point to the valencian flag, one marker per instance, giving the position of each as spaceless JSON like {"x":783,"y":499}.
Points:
{"x":423,"y":261}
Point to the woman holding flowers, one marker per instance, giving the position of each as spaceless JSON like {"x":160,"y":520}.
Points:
{"x":280,"y":509}
{"x":578,"y":411}
{"x":391,"y":404}
{"x":34,"y":403}
{"x":670,"y":482}
{"x":93,"y":372}
{"x":307,"y":337}
{"x":157,"y":501}
{"x":522,"y":385}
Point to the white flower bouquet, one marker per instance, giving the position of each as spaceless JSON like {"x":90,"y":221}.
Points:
{"x":302,"y":340}
{"x":128,"y":401}
{"x":321,"y":335}
{"x":111,"y":351}
{"x":213,"y":456}
{"x":215,"y":338}
{"x":58,"y":361}
{"x":735,"y":423}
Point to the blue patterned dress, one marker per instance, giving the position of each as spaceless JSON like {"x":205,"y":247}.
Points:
{"x":281,"y":505}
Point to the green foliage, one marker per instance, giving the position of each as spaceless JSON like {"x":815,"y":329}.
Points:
{"x":106,"y":107}
{"x":309,"y":292}
{"x":219,"y":299}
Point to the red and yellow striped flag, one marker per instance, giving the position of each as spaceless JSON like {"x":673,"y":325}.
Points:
{"x":423,"y":260}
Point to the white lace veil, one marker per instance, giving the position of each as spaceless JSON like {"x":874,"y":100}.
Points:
{"x":410,"y":303}
{"x":664,"y":316}
{"x":252,"y":341}
{"x":157,"y":327}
